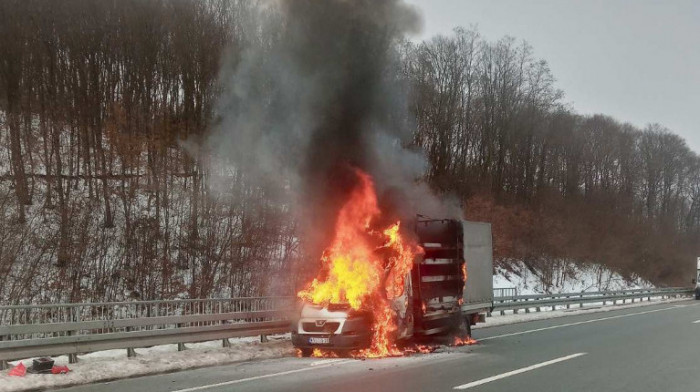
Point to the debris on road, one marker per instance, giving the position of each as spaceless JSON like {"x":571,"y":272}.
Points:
{"x":18,"y":371}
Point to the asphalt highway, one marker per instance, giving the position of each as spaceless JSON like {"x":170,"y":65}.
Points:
{"x":652,"y":348}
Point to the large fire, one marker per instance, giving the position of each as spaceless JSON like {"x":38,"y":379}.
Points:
{"x":365,"y":267}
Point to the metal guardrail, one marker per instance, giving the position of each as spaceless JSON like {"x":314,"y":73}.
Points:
{"x":538,"y":301}
{"x":499,"y":292}
{"x":39,"y":330}
{"x":57,"y":329}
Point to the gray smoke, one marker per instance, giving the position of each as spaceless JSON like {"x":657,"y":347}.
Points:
{"x":316,"y":91}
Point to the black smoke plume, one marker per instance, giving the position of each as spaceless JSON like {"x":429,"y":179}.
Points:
{"x":318,"y":91}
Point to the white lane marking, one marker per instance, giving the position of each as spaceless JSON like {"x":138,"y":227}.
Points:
{"x":325,"y":361}
{"x":579,"y":323}
{"x":223,"y":384}
{"x":518,"y":371}
{"x":696,"y":322}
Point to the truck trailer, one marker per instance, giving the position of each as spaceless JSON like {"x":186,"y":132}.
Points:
{"x":450,"y":287}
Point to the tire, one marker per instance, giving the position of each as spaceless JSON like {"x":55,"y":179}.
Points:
{"x":306,"y":352}
{"x":468,"y":323}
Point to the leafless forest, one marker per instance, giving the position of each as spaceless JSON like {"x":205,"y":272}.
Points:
{"x":106,"y":187}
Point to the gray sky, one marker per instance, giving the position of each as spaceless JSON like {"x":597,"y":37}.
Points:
{"x":636,"y":60}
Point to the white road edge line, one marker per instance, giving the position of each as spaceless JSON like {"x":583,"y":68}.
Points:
{"x":327,"y":361}
{"x":696,"y":322}
{"x":223,"y":384}
{"x":518,"y":371}
{"x":580,"y":323}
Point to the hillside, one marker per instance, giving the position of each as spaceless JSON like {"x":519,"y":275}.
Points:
{"x":118,"y":181}
{"x":564,"y":277}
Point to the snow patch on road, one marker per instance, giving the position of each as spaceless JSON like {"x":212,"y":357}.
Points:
{"x":113,"y":364}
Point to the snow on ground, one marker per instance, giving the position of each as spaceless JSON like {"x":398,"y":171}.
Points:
{"x":561,"y":311}
{"x":113,"y":364}
{"x":565,"y":277}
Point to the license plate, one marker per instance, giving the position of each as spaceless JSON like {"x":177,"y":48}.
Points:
{"x":319,"y":340}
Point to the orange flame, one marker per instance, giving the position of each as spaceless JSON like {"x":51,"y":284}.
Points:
{"x":354,"y":272}
{"x":464,"y":279}
{"x":464,"y":341}
{"x":420,"y":349}
{"x":318,"y":353}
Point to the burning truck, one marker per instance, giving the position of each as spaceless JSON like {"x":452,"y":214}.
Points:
{"x":381,"y":287}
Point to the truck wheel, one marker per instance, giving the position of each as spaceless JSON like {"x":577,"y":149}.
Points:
{"x":306,"y":352}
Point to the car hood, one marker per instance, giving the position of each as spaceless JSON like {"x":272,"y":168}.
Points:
{"x":316,"y":311}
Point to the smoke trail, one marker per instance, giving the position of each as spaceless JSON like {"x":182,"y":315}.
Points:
{"x":317,"y":90}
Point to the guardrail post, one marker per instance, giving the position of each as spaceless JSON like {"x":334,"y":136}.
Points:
{"x":226,"y":343}
{"x":568,"y":305}
{"x":580,"y":305}
{"x":3,"y":364}
{"x":181,"y":346}
{"x":72,"y":358}
{"x":130,"y":352}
